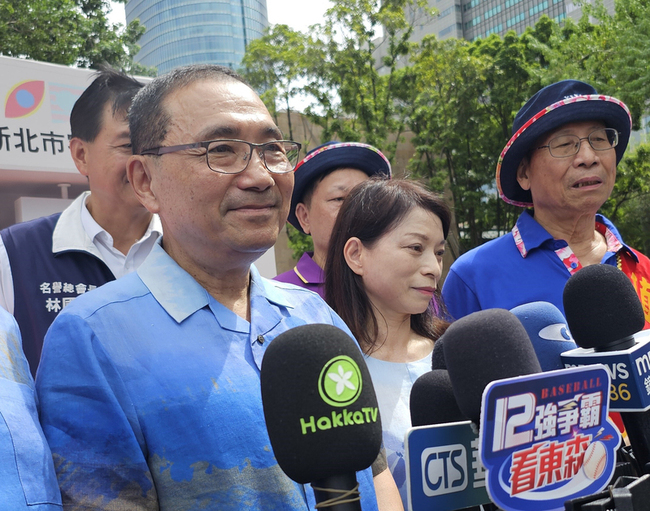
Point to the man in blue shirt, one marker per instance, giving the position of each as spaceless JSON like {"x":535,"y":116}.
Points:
{"x":149,"y":387}
{"x":561,"y":162}
{"x":27,"y":478}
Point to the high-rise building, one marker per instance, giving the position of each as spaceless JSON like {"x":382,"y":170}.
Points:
{"x":473,"y":19}
{"x":180,"y":32}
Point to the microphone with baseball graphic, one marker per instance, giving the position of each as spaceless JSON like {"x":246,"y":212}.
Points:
{"x":321,"y":412}
{"x":496,"y":377}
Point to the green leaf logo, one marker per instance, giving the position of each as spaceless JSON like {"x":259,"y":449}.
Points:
{"x":339,"y":383}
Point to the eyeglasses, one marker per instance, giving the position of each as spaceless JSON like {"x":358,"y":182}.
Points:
{"x":569,"y":145}
{"x":228,"y":156}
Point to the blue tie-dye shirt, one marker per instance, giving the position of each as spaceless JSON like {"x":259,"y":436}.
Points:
{"x":27,"y":478}
{"x":150,"y":395}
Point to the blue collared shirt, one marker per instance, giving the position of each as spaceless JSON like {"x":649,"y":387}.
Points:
{"x":524,"y":266}
{"x":27,"y":477}
{"x":150,"y":394}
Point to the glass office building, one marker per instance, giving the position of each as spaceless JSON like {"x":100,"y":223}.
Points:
{"x":472,"y":19}
{"x":180,"y":32}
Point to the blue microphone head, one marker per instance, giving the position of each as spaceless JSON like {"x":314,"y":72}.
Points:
{"x":548,"y":332}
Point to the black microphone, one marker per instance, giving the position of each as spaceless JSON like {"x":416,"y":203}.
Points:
{"x":606,"y":318}
{"x":321,"y":411}
{"x":432,"y":400}
{"x":482,"y":347}
{"x":602,"y":308}
{"x":548,"y":332}
{"x":438,"y":355}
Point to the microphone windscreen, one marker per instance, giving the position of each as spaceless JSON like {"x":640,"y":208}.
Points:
{"x":438,"y":355}
{"x":548,"y":332}
{"x":601,"y":306}
{"x":319,"y":403}
{"x":432,"y":400}
{"x":482,"y":347}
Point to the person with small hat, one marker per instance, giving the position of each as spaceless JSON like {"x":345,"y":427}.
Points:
{"x":560,"y":164}
{"x":322,"y":181}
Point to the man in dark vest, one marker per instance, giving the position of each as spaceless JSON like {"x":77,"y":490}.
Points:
{"x":104,"y":234}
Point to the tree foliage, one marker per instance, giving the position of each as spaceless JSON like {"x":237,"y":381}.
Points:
{"x":69,"y":32}
{"x":349,"y":83}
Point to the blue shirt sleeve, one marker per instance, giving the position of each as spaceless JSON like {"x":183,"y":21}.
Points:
{"x":459,"y":298}
{"x":91,"y":423}
{"x":27,"y":477}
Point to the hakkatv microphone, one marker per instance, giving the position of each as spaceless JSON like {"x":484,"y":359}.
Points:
{"x":548,"y":332}
{"x":432,"y":400}
{"x":482,"y":347}
{"x":321,"y":411}
{"x":606,"y":319}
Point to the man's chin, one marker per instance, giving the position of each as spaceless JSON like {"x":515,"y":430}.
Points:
{"x":258,"y":244}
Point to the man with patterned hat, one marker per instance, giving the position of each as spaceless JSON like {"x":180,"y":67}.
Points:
{"x":560,"y":164}
{"x":322,"y":181}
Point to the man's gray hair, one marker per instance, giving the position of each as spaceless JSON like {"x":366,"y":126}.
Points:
{"x":148,"y":119}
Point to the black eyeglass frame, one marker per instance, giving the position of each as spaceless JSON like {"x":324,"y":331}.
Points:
{"x":159,"y":151}
{"x":587,"y":138}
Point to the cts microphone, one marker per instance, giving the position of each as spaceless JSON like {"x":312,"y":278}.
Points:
{"x":432,"y":400}
{"x":606,"y":318}
{"x":321,"y":411}
{"x":482,"y":347}
{"x":548,"y":332}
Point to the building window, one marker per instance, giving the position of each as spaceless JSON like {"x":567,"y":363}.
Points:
{"x":492,"y":12}
{"x":494,"y":30}
{"x":515,"y":20}
{"x":538,"y":8}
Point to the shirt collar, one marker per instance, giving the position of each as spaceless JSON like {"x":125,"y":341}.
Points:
{"x":529,"y":234}
{"x":69,"y":232}
{"x":181,"y":296}
{"x":76,"y":228}
{"x":308,"y":271}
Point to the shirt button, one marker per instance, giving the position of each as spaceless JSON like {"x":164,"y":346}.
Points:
{"x":260,"y":339}
{"x":574,"y":265}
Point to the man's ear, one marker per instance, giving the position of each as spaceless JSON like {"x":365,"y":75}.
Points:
{"x":353,"y":252}
{"x":139,"y":174}
{"x":522,"y":173}
{"x":302,"y":214}
{"x":79,"y":153}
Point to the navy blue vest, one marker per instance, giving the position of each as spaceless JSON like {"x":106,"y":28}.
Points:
{"x":44,"y":283}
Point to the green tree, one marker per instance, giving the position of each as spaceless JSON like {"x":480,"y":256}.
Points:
{"x":273,"y":64}
{"x":69,"y":32}
{"x":355,"y":90}
{"x":465,"y":97}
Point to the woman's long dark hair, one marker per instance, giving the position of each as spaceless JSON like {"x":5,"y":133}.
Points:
{"x":372,"y":209}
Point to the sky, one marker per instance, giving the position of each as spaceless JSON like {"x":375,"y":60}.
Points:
{"x":298,"y":14}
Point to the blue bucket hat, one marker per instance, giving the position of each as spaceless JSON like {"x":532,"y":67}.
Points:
{"x":331,"y":156}
{"x":555,"y":105}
